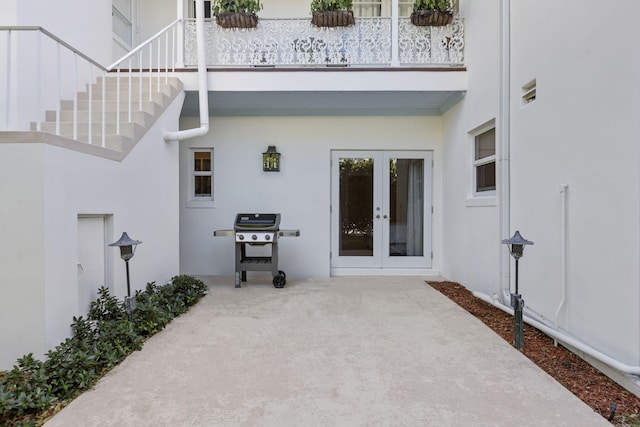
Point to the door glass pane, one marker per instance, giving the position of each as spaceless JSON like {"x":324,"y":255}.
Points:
{"x":356,"y":207}
{"x":406,"y":198}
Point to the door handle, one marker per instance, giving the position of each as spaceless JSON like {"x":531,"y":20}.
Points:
{"x":385,"y":217}
{"x":378,"y":216}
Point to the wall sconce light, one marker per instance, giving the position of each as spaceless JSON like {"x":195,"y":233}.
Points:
{"x":271,"y":160}
{"x":516,"y":246}
{"x":127,"y":247}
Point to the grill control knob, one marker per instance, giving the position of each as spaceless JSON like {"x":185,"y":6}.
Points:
{"x":267,"y":237}
{"x":254,"y":237}
{"x":241,"y":237}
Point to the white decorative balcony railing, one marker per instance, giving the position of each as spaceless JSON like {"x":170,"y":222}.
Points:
{"x":297,"y":42}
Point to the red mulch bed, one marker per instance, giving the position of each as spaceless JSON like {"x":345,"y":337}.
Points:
{"x":587,"y":383}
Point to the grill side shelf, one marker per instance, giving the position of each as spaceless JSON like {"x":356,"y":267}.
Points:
{"x":224,"y":233}
{"x":289,"y":233}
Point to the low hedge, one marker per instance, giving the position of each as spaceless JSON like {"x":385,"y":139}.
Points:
{"x":34,"y":389}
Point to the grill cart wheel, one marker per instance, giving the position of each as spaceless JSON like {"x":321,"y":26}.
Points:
{"x":280,"y":280}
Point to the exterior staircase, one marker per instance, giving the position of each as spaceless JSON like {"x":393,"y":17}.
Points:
{"x":88,"y":129}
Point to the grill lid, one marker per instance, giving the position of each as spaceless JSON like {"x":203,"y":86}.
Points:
{"x":257,"y":221}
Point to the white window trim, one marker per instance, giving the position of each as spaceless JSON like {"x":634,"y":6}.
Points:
{"x":192,"y":200}
{"x":481,"y":198}
{"x":129,"y":21}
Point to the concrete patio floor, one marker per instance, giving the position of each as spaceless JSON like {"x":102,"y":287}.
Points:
{"x":349,"y":351}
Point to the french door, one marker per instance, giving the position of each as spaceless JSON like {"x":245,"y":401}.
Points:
{"x":381,"y":209}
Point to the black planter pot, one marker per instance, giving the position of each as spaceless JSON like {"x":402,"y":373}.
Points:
{"x":333,"y":18}
{"x":237,"y":20}
{"x":431,"y":18}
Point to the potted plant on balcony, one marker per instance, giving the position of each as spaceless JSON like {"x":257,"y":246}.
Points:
{"x":332,"y":13}
{"x":236,"y":13}
{"x":434,"y":13}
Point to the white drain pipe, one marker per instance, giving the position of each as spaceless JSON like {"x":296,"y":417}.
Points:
{"x":567,"y":339}
{"x":203,"y":92}
{"x":504,"y":188}
{"x":563,"y":252}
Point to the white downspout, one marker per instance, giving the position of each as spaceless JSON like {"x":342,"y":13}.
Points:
{"x":203,"y":92}
{"x":567,"y":339}
{"x":504,"y":189}
{"x":563,"y":252}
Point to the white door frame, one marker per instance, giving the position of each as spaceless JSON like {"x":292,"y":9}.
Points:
{"x":381,"y":258}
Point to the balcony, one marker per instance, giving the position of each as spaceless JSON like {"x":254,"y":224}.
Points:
{"x":371,"y":42}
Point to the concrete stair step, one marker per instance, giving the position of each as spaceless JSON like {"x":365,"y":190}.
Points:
{"x":112,"y":95}
{"x":171,"y":88}
{"x":66,"y":128}
{"x":148,"y":107}
{"x":135,"y":81}
{"x":138,"y":117}
{"x":143,"y":114}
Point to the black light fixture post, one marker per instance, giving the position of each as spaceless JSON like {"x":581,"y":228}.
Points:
{"x":517,"y":244}
{"x":127,"y":249}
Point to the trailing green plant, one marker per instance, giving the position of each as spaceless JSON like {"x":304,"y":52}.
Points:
{"x":328,"y":5}
{"x":98,"y":343}
{"x":235,"y":6}
{"x":439,"y":5}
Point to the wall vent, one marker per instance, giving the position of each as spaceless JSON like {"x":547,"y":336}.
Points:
{"x":529,"y":92}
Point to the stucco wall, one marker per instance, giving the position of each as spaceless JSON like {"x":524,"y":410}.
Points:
{"x":300,"y":191}
{"x":51,"y":186}
{"x":472,"y":242}
{"x":22,"y":299}
{"x":66,"y":19}
{"x":582,"y":131}
{"x":156,"y":14}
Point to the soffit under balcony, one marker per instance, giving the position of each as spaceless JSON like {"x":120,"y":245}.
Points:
{"x":325,"y":103}
{"x":329,"y":91}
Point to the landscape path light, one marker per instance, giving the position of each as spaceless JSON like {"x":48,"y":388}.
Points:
{"x":127,"y":247}
{"x":516,"y":247}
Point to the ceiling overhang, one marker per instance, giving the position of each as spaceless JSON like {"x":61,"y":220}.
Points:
{"x":311,"y":103}
{"x":313,"y":92}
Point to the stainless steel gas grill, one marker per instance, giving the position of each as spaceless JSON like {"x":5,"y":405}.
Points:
{"x":256,"y":229}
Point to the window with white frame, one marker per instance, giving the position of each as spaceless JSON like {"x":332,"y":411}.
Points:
{"x":484,"y":162}
{"x":122,"y":17}
{"x":207,"y":9}
{"x":375,"y":8}
{"x":201,"y":188}
{"x":364,"y":8}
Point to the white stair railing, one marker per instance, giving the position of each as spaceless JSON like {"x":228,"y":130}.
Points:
{"x":41,"y":70}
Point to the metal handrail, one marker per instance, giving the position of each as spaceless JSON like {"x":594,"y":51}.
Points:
{"x":143,"y":45}
{"x":54,"y":38}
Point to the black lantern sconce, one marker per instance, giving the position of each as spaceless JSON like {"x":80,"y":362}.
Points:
{"x":271,"y":160}
{"x":127,"y":249}
{"x":516,"y":247}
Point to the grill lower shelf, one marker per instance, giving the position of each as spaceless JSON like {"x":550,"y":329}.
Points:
{"x":256,"y":260}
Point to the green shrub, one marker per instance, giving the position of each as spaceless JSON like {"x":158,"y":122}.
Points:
{"x":235,"y":6}
{"x":440,"y":5}
{"x":97,"y":344}
{"x":327,"y":5}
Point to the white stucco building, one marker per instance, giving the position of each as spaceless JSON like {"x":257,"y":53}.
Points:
{"x":404,"y":151}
